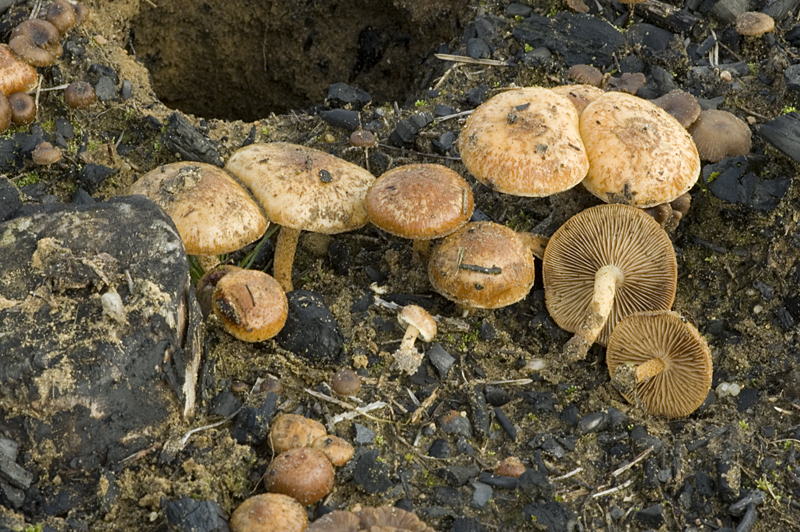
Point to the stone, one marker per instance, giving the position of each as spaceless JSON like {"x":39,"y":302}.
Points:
{"x":311,"y":331}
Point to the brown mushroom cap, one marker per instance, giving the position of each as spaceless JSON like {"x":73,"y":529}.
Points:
{"x":420,"y":201}
{"x":482,"y":265}
{"x":204,"y":291}
{"x":269,"y":512}
{"x":79,"y":94}
{"x":681,"y":105}
{"x":673,"y":361}
{"x":608,"y":235}
{"x":251,"y":305}
{"x":579,"y":95}
{"x":23,"y":108}
{"x":212,"y":212}
{"x":338,"y":451}
{"x":629,"y":82}
{"x":346,"y":382}
{"x":45,"y":153}
{"x":720,"y":134}
{"x":290,"y":431}
{"x":5,"y":113}
{"x":37,"y":42}
{"x":336,"y":521}
{"x":15,"y":75}
{"x":638,"y":153}
{"x":61,"y":14}
{"x":419,"y":318}
{"x":303,"y":473}
{"x":525,"y":142}
{"x":754,"y":23}
{"x":586,"y":74}
{"x":391,"y":518}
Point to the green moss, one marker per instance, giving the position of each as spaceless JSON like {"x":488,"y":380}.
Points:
{"x":28,"y":179}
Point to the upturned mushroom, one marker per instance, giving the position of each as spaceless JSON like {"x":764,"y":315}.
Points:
{"x":418,"y":323}
{"x":302,"y":189}
{"x":212,"y":212}
{"x":251,"y":305}
{"x":421,"y":202}
{"x":669,"y":361}
{"x":638,"y":153}
{"x":525,"y":142}
{"x":603,"y":264}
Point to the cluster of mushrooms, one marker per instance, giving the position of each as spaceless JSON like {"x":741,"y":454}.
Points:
{"x":37,"y":43}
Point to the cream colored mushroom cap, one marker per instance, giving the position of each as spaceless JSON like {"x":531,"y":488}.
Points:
{"x":638,"y":153}
{"x":303,"y":188}
{"x":420,"y":201}
{"x":753,"y":23}
{"x":212,"y":212}
{"x":482,"y":265}
{"x":525,"y":142}
{"x":616,"y":235}
{"x":580,"y":95}
{"x":683,"y":384}
{"x":420,"y":319}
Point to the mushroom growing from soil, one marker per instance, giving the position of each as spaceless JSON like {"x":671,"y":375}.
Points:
{"x":383,"y":518}
{"x":251,"y":305}
{"x":45,"y":154}
{"x":525,"y":142}
{"x":638,"y":153}
{"x":483,"y":265}
{"x":269,"y":512}
{"x":418,"y":323}
{"x":61,"y":14}
{"x":754,"y":23}
{"x":302,"y":189}
{"x":304,"y":473}
{"x":23,"y":108}
{"x":720,"y":134}
{"x":338,"y":451}
{"x":421,"y":202}
{"x":603,"y":264}
{"x":681,"y":105}
{"x":290,"y":431}
{"x":346,"y":382}
{"x":212,"y":212}
{"x":669,"y":361}
{"x":79,"y":94}
{"x":37,"y":42}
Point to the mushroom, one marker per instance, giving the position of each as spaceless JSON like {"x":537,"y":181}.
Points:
{"x":45,"y":154}
{"x":681,"y":105}
{"x":204,"y":291}
{"x":303,"y":473}
{"x":251,"y":305}
{"x":638,"y":153}
{"x":5,"y":113}
{"x":15,"y":75}
{"x":525,"y":142}
{"x":37,"y":42}
{"x":670,"y":361}
{"x":483,"y":265}
{"x":302,"y":189}
{"x":384,"y":518}
{"x":23,"y":108}
{"x":604,"y":263}
{"x":290,"y":431}
{"x":421,"y":202}
{"x":336,"y":521}
{"x":754,"y":23}
{"x":269,"y":512}
{"x":338,"y":451}
{"x":61,"y":14}
{"x":346,"y":382}
{"x":579,"y":95}
{"x":629,"y":82}
{"x":586,"y":74}
{"x":212,"y":212}
{"x":79,"y":94}
{"x":418,"y":322}
{"x":720,"y":134}
{"x":363,"y":139}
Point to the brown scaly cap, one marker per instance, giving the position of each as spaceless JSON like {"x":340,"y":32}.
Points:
{"x":420,"y":201}
{"x":604,"y":235}
{"x":482,"y":265}
{"x":525,"y":142}
{"x":212,"y":212}
{"x":251,"y":305}
{"x":638,"y":153}
{"x":269,"y":512}
{"x":579,"y":95}
{"x":673,"y":361}
{"x":681,"y":105}
{"x":754,"y":23}
{"x":720,"y":134}
{"x":15,"y":75}
{"x":586,"y":74}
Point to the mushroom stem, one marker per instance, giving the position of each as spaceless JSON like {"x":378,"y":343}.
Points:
{"x":207,"y":262}
{"x":284,"y":256}
{"x":648,"y":370}
{"x":420,"y":250}
{"x":408,"y":338}
{"x":606,"y":281}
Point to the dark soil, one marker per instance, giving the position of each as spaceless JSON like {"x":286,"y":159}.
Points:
{"x":739,"y":275}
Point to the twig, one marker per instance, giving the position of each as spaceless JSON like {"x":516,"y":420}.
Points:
{"x":568,"y":475}
{"x":644,"y":454}
{"x":355,"y":410}
{"x":614,"y":489}
{"x":466,"y":59}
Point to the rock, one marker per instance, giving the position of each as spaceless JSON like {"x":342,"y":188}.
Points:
{"x":595,"y":422}
{"x":105,"y":89}
{"x":370,"y":474}
{"x":311,"y":331}
{"x":364,"y":435}
{"x":652,"y":516}
{"x":495,"y":395}
{"x":342,"y":94}
{"x":182,"y":138}
{"x":454,"y":423}
{"x":440,"y":448}
{"x":342,"y":118}
{"x":441,"y":359}
{"x":482,"y":494}
{"x":550,"y":516}
{"x":746,"y":398}
{"x":535,"y":485}
{"x":190,"y":515}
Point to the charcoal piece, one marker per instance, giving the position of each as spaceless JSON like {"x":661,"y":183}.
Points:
{"x":342,"y":94}
{"x":371,"y":474}
{"x":441,"y":359}
{"x":480,"y":412}
{"x":505,"y":423}
{"x":92,"y":176}
{"x":439,"y":449}
{"x":224,"y":404}
{"x":535,"y":485}
{"x":341,"y":118}
{"x":651,"y":517}
{"x":407,"y":129}
{"x":97,"y":70}
{"x":190,"y":515}
{"x":457,"y":476}
{"x":105,"y":89}
{"x":499,"y":481}
{"x":311,"y":331}
{"x":550,"y":516}
{"x":182,"y":138}
{"x":10,"y":200}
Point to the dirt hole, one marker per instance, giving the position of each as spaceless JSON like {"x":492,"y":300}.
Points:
{"x":243,"y":59}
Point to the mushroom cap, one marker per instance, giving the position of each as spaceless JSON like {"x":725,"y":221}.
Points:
{"x":6,"y":113}
{"x":603,"y":235}
{"x":586,"y":74}
{"x":391,"y":518}
{"x":269,"y":512}
{"x":684,"y":383}
{"x":338,"y":450}
{"x":15,"y":75}
{"x":37,"y":42}
{"x":420,"y":201}
{"x":753,"y":23}
{"x":336,"y":521}
{"x":212,"y":212}
{"x":629,"y":82}
{"x":525,"y":142}
{"x":303,"y":188}
{"x":290,"y":431}
{"x":638,"y":153}
{"x":61,"y":14}
{"x":23,"y":108}
{"x":580,"y":95}
{"x":251,"y":304}
{"x":303,"y":473}
{"x":720,"y":134}
{"x":418,"y":317}
{"x":346,"y":382}
{"x":681,"y":105}
{"x":482,"y":265}
{"x":79,"y":94}
{"x":45,"y":153}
